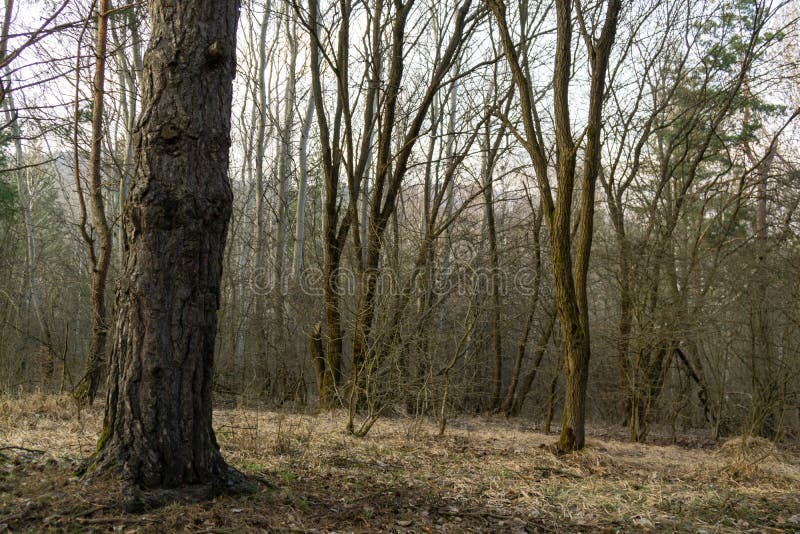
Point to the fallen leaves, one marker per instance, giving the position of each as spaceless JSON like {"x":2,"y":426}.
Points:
{"x":481,"y":476}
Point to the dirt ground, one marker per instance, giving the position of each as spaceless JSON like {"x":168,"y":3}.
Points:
{"x":480,"y":476}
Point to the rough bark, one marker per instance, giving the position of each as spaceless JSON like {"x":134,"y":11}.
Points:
{"x":157,"y":427}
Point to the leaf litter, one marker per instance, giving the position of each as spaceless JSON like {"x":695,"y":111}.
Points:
{"x":484,"y":474}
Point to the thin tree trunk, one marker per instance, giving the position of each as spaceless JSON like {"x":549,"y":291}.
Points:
{"x":530,"y":376}
{"x":284,"y":176}
{"x":426,"y":293}
{"x":130,"y":76}
{"x":551,"y":398}
{"x":102,"y":256}
{"x":494,"y":265}
{"x":249,"y":183}
{"x":302,"y":191}
{"x":449,"y":199}
{"x":508,"y":403}
{"x":625,"y":324}
{"x":260,"y":316}
{"x":29,"y":283}
{"x":764,"y":418}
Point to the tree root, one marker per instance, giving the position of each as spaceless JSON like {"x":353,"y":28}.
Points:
{"x":231,"y":483}
{"x":137,"y":497}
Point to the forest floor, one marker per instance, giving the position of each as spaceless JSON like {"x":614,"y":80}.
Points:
{"x":482,"y":475}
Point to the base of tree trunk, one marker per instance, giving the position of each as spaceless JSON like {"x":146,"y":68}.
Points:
{"x":138,"y":497}
{"x":138,"y":500}
{"x":566,"y":441}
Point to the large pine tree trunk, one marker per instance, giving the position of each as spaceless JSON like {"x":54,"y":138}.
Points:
{"x":157,"y":426}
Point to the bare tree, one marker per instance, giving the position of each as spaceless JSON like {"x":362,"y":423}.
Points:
{"x":99,"y":252}
{"x":569,"y":275}
{"x":390,"y":170}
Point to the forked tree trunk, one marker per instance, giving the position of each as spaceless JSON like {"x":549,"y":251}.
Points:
{"x":569,"y":276}
{"x":334,"y":230}
{"x":515,"y":407}
{"x":390,"y":171}
{"x":157,"y":427}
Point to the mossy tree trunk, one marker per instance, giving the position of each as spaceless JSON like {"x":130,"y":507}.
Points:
{"x":570,"y":273}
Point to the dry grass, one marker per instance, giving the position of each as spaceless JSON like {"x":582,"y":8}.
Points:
{"x":483,"y":475}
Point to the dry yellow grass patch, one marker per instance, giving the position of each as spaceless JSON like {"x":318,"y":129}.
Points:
{"x":482,"y":475}
{"x":50,"y":423}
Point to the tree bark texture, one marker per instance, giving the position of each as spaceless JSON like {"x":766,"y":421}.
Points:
{"x":157,"y":427}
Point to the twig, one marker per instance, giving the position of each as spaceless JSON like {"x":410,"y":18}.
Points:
{"x":482,"y":515}
{"x":258,"y":478}
{"x":112,"y":519}
{"x":92,"y":510}
{"x":15,"y":448}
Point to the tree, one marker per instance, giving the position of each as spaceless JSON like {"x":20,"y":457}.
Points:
{"x":391,"y":167}
{"x":261,"y":222}
{"x":11,"y":51}
{"x":679,"y":148}
{"x":30,"y":286}
{"x":570,"y":275}
{"x":157,"y":425}
{"x":99,"y":251}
